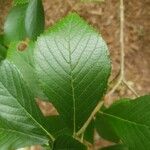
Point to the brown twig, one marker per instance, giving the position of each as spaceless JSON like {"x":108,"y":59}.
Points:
{"x":122,"y":55}
{"x":97,"y":108}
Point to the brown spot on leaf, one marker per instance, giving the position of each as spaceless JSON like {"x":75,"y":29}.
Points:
{"x":47,"y":108}
{"x":22,"y":46}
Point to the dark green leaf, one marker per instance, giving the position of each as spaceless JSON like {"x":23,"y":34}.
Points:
{"x":105,"y":129}
{"x":14,"y":28}
{"x":65,"y":142}
{"x":57,"y":126}
{"x":89,"y":133}
{"x":73,"y":66}
{"x":23,"y":59}
{"x":34,"y":20}
{"x":130,"y":120}
{"x":1,"y":39}
{"x":115,"y":147}
{"x":17,"y":2}
{"x":46,"y":147}
{"x":21,"y":122}
{"x":3,"y":52}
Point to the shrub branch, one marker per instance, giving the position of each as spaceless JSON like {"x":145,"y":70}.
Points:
{"x":122,"y":56}
{"x":97,"y":108}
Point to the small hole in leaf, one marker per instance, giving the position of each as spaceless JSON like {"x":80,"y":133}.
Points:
{"x":47,"y":108}
{"x":22,"y":46}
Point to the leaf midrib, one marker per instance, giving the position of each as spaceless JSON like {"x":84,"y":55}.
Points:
{"x":125,"y":120}
{"x":23,"y":133}
{"x":72,"y":88}
{"x":30,"y":116}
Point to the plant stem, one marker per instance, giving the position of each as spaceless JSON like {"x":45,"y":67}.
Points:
{"x":122,"y":55}
{"x":97,"y":108}
{"x":131,"y":89}
{"x":122,"y":38}
{"x":121,"y":75}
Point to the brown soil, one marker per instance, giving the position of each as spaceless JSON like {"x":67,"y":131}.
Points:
{"x":105,"y":18}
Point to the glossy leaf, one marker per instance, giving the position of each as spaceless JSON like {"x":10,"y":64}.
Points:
{"x":21,"y":122}
{"x":34,"y":20}
{"x":130,"y":120}
{"x":14,"y":27}
{"x":65,"y":142}
{"x":115,"y":147}
{"x":73,"y":66}
{"x":21,"y":54}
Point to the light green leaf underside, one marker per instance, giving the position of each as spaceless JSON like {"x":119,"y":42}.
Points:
{"x":14,"y":27}
{"x":73,"y":66}
{"x":21,"y":122}
{"x":131,"y":122}
{"x":65,"y":142}
{"x":34,"y":20}
{"x":25,"y":63}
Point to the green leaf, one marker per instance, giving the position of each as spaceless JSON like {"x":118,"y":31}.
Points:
{"x":14,"y":27}
{"x":89,"y":132}
{"x":115,"y":147}
{"x":130,"y":120}
{"x":34,"y":20}
{"x":65,"y":142}
{"x":21,"y":122}
{"x":57,"y":126}
{"x":16,"y":2}
{"x":73,"y":66}
{"x":46,"y":147}
{"x":3,"y":52}
{"x":24,"y":61}
{"x":105,"y":129}
{"x":1,"y":39}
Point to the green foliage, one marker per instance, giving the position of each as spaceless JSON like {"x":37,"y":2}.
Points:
{"x":24,"y":21}
{"x":106,"y":130}
{"x":69,"y":66}
{"x":116,"y":147}
{"x":17,"y":2}
{"x":89,"y":133}
{"x":21,"y":54}
{"x":21,"y":122}
{"x":130,"y":120}
{"x":67,"y":143}
{"x":34,"y":21}
{"x":3,"y":52}
{"x":73,"y":66}
{"x":3,"y":49}
{"x":14,"y":28}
